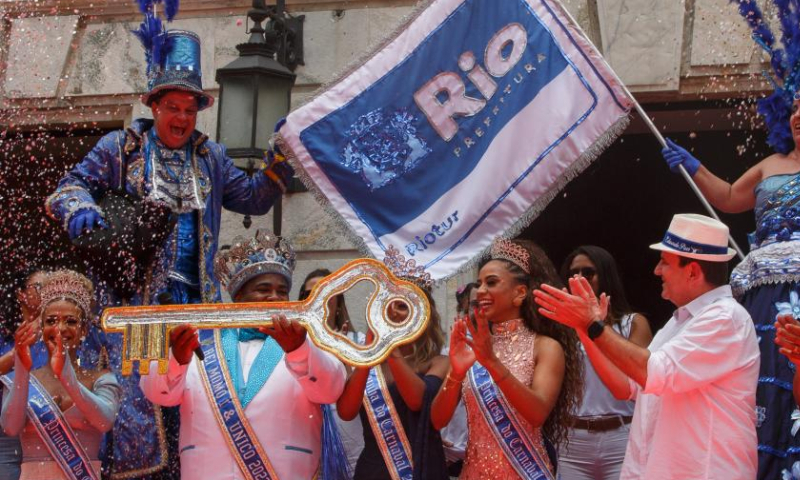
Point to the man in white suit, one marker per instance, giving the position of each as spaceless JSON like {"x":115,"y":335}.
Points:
{"x":252,"y":407}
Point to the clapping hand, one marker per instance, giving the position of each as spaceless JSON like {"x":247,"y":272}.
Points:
{"x":787,"y":337}
{"x":24,"y":337}
{"x":577,"y":308}
{"x":461,"y":354}
{"x":481,"y":341}
{"x":55,"y":345}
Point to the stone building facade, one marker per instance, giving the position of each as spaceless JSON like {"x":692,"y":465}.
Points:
{"x":75,"y":61}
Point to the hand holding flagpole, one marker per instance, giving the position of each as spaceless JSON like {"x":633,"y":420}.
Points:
{"x":658,"y":135}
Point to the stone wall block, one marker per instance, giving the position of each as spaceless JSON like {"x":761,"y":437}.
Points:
{"x":642,"y":40}
{"x":37,"y":51}
{"x":309,"y":227}
{"x":720,"y":35}
{"x":110,"y":60}
{"x":333,"y":40}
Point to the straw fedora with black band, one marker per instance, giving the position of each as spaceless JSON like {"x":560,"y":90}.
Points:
{"x":696,"y":236}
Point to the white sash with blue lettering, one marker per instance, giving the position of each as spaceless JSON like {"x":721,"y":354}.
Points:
{"x":55,"y":432}
{"x":515,"y":443}
{"x":239,"y":435}
{"x":386,"y":426}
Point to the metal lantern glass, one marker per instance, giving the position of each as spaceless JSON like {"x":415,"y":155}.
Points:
{"x":254,"y":95}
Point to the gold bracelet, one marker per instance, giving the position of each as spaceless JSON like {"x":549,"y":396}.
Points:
{"x":449,"y":379}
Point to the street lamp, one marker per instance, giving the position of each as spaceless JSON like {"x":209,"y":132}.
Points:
{"x":255,"y":89}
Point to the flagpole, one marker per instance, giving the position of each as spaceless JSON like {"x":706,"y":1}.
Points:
{"x":655,"y":131}
{"x":682,"y":170}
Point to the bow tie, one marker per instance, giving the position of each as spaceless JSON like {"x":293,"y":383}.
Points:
{"x":248,"y":334}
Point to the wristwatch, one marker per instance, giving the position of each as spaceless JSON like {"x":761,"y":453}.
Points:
{"x":595,"y":329}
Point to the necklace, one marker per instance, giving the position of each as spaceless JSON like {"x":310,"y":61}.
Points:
{"x":506,"y":327}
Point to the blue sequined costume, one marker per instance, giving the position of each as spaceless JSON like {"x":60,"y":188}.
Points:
{"x":184,"y":268}
{"x":767,"y":282}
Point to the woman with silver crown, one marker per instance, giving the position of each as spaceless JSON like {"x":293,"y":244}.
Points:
{"x":767,"y":281}
{"x":520,"y":373}
{"x":61,"y":410}
{"x":394,"y":398}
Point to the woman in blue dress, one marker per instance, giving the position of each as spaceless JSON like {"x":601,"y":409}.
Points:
{"x":767,"y":282}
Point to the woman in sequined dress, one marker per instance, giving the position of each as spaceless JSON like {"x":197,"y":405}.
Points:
{"x":87,"y":398}
{"x":766,"y":283}
{"x":414,"y":375}
{"x":533,"y":361}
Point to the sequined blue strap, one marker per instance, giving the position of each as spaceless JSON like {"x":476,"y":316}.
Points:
{"x":55,"y":432}
{"x":515,"y":443}
{"x":239,"y":435}
{"x":385,"y":424}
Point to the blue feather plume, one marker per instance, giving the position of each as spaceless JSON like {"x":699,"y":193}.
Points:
{"x":170,"y":8}
{"x":145,"y":6}
{"x":151,"y":31}
{"x":785,"y":62}
{"x":153,"y":37}
{"x":776,"y":110}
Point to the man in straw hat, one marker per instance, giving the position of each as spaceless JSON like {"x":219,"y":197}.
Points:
{"x":252,"y":408}
{"x":168,"y":169}
{"x":695,"y":384}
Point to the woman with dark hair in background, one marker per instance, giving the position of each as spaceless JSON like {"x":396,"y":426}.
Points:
{"x":350,"y":431}
{"x":20,"y":307}
{"x":523,"y":368}
{"x":340,"y":320}
{"x":404,"y":384}
{"x":599,"y":434}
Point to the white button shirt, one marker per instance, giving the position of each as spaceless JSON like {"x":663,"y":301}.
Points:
{"x":285,"y":414}
{"x":695,"y":418}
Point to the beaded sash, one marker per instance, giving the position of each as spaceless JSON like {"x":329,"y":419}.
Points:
{"x":55,"y":431}
{"x":514,"y":442}
{"x":239,"y":435}
{"x":386,"y":426}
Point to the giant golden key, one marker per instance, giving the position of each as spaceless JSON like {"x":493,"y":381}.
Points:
{"x":146,"y":329}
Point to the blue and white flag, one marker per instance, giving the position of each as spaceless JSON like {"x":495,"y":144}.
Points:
{"x":459,"y":128}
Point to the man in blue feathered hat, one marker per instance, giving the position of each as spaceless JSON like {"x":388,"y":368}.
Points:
{"x":177,"y":173}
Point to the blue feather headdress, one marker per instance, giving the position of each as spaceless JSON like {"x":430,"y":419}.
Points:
{"x":785,"y":62}
{"x":173,"y":57}
{"x":152,"y":34}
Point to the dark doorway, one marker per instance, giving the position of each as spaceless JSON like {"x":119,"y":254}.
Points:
{"x":31,"y":164}
{"x":625,"y":200}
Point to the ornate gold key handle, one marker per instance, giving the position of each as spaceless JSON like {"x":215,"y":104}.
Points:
{"x":146,"y":329}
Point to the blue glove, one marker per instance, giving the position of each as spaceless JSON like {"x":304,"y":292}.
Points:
{"x":84,"y":220}
{"x":675,"y":155}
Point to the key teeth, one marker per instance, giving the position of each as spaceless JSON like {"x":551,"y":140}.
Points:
{"x":144,"y":367}
{"x":127,"y":367}
{"x":163,"y":366}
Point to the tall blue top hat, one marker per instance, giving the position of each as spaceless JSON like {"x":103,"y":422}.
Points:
{"x":180,"y":69}
{"x":173,"y":56}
